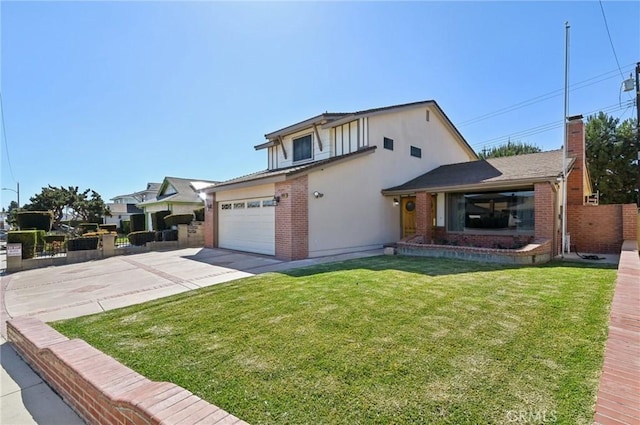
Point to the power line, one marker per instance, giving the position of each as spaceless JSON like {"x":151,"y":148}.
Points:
{"x":606,"y":25}
{"x":539,"y":129}
{"x":4,"y":136}
{"x":541,"y":98}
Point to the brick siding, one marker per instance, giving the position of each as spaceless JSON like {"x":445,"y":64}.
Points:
{"x":292,"y":219}
{"x":210,"y":222}
{"x":576,"y":148}
{"x":601,"y":229}
{"x":545,"y":212}
{"x":100,"y":389}
{"x":423,"y":215}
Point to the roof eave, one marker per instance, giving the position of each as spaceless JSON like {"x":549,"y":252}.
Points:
{"x":374,"y":112}
{"x":317,"y":120}
{"x":507,"y":184}
{"x":246,"y":183}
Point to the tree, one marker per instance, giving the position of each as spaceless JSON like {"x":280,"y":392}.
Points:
{"x":61,"y":200}
{"x":11,"y":217}
{"x":90,"y":209}
{"x":509,"y":149}
{"x":611,"y":158}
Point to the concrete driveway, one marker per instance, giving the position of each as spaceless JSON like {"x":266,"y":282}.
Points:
{"x":63,"y":292}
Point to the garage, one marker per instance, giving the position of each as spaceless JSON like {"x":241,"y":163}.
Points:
{"x":247,"y":225}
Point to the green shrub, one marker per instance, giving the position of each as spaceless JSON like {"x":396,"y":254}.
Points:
{"x":29,"y":239}
{"x":175,"y":219}
{"x":83,"y":244}
{"x":38,"y":220}
{"x":54,"y":238}
{"x":167,"y":235}
{"x":141,"y":238}
{"x":137,"y":223}
{"x":199,"y":213}
{"x":88,"y":227}
{"x":157,"y":218}
{"x":98,"y":233}
{"x":108,"y":227}
{"x":125,"y":227}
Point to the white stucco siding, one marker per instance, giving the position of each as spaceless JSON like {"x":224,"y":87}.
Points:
{"x":352,"y":214}
{"x":410,"y":128}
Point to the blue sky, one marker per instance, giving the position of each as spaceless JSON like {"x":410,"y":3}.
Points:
{"x":112,"y":95}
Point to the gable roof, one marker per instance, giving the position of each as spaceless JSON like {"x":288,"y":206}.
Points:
{"x":176,"y":189}
{"x":332,"y":119}
{"x":317,"y":120}
{"x":509,"y":171}
{"x":281,"y":174}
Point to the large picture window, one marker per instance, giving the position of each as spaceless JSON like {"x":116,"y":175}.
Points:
{"x":302,"y":148}
{"x":511,"y":211}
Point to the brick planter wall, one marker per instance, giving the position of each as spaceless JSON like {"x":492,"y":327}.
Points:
{"x":100,"y":389}
{"x":534,"y":253}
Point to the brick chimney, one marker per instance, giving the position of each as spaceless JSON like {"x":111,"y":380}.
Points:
{"x":576,"y":149}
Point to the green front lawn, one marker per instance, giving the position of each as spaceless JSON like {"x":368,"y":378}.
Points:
{"x":377,"y":340}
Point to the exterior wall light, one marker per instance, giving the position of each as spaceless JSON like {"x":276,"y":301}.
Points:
{"x":317,"y":194}
{"x":396,"y":202}
{"x":276,"y":199}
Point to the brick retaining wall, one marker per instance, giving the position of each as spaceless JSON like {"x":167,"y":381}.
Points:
{"x":102,"y":390}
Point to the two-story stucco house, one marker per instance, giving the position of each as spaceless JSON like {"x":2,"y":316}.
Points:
{"x":321,"y":193}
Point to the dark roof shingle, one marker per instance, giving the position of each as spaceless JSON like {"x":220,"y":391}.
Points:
{"x":492,"y":172}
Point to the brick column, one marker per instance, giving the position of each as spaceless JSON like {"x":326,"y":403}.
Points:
{"x":424,"y":219}
{"x":545,"y":217}
{"x":576,"y":149}
{"x":292,"y":219}
{"x":210,"y":221}
{"x":629,"y":222}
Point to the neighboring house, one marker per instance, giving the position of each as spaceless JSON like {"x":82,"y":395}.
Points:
{"x":512,"y":201}
{"x":322,"y":191}
{"x":123,"y":206}
{"x":180,"y":196}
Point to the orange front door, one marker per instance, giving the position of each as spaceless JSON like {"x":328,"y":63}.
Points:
{"x":408,"y":216}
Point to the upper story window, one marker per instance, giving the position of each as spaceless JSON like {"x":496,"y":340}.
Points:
{"x":417,"y":152}
{"x":302,"y":148}
{"x":388,"y":143}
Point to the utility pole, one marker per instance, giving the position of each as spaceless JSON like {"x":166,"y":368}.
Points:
{"x":638,"y":130}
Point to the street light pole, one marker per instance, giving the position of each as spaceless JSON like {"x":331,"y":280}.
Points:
{"x":17,"y":191}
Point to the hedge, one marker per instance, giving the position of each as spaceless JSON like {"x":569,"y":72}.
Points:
{"x":29,"y":239}
{"x":108,"y":227}
{"x":175,"y":219}
{"x":137,"y":222}
{"x":38,"y":220}
{"x":199,"y":213}
{"x":125,"y":227}
{"x":83,"y":244}
{"x":141,"y":238}
{"x":88,"y":227}
{"x":157,"y":219}
{"x":167,"y":235}
{"x":54,"y":238}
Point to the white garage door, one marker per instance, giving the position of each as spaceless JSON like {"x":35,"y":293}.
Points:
{"x":247,"y":225}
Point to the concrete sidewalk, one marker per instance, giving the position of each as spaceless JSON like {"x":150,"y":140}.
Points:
{"x":56,"y":293}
